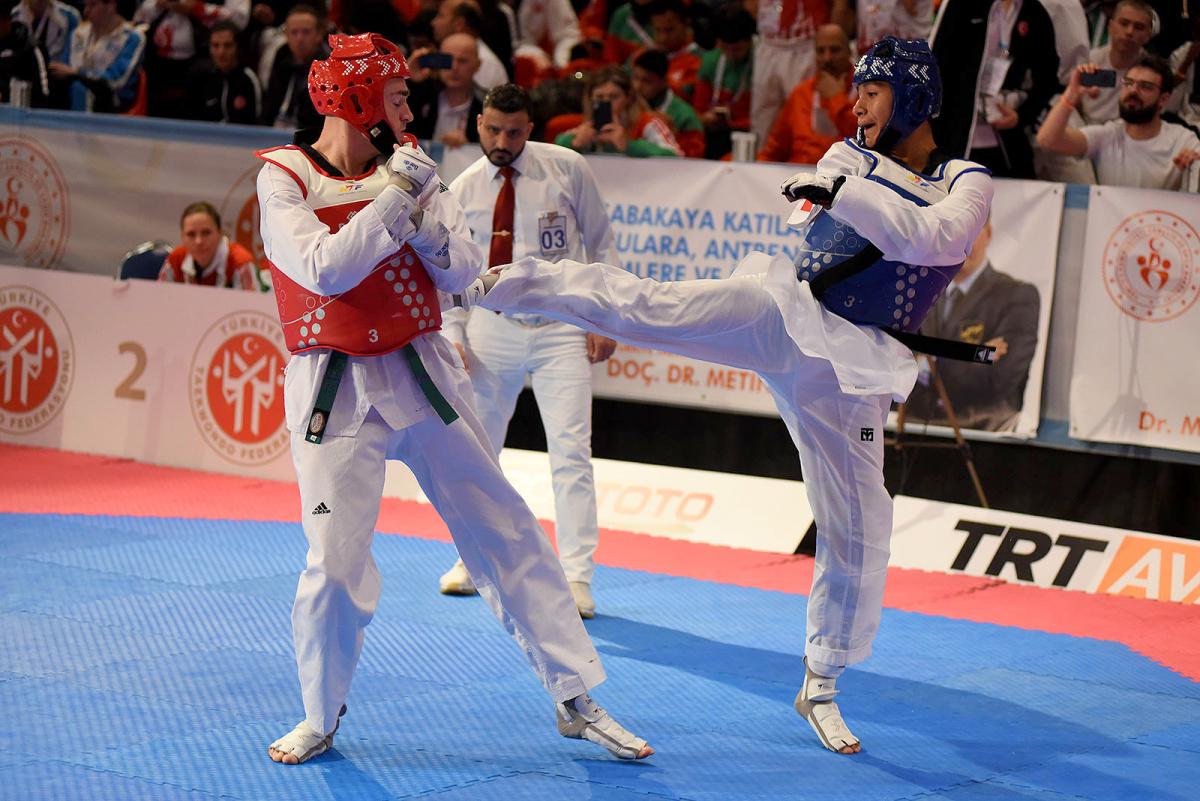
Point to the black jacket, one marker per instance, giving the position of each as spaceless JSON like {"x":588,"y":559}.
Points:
{"x":959,"y":39}
{"x":20,"y":58}
{"x":984,"y":397}
{"x":224,"y":96}
{"x":288,"y":84}
{"x":423,"y":102}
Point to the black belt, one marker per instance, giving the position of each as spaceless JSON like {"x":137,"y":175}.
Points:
{"x":932,"y":346}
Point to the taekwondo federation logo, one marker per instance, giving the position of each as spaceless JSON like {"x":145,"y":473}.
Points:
{"x":37,"y":360}
{"x":34,"y":215}
{"x":1150,"y":266}
{"x":235,"y":385}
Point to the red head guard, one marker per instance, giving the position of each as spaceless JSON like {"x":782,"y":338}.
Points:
{"x":349,"y":84}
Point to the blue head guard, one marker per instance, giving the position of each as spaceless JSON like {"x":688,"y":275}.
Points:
{"x":908,"y":66}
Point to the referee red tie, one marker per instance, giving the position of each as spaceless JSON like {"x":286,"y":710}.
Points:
{"x":502,"y":221}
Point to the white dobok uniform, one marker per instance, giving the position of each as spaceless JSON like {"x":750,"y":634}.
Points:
{"x":558,"y":213}
{"x":832,"y":380}
{"x":381,"y":412}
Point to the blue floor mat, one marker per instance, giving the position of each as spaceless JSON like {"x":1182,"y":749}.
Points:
{"x":152,"y":658}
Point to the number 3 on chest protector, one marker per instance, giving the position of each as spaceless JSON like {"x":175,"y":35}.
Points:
{"x":552,"y":233}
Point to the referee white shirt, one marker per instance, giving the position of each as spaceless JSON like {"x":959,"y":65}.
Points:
{"x":558,"y":214}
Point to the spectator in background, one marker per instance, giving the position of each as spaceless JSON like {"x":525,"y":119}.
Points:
{"x":462,"y":16}
{"x":287,"y":103}
{"x":628,"y":31}
{"x":548,"y":31}
{"x":497,"y":29}
{"x":105,"y":60}
{"x":982,"y":306}
{"x":177,"y":34}
{"x":207,"y":256}
{"x":1140,"y":149}
{"x":1130,"y":27}
{"x":1186,"y":102}
{"x":722,"y":96}
{"x":1070,"y":35}
{"x":446,"y":106}
{"x":673,"y":36}
{"x":220,"y":89}
{"x":634,"y":129}
{"x":784,"y":56}
{"x":650,"y":83}
{"x":1071,"y":40}
{"x":999,"y":71}
{"x":904,"y":19}
{"x":22,"y":60}
{"x":820,"y":110}
{"x":51,"y":23}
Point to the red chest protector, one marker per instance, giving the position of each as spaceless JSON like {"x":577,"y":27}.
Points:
{"x":393,"y":305}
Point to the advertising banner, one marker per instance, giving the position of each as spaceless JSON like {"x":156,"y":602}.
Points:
{"x":1135,"y":379}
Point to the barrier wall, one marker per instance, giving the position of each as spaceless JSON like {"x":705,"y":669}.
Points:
{"x":81,"y":190}
{"x":192,"y":377}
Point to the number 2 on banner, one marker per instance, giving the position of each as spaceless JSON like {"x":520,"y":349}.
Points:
{"x":126,"y":388}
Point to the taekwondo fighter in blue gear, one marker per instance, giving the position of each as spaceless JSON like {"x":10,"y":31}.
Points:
{"x":887,"y":223}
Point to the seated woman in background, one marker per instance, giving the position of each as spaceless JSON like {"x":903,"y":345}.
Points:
{"x":616,"y":120}
{"x":207,"y":256}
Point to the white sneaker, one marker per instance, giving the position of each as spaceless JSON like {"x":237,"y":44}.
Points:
{"x":457,"y":581}
{"x":581,"y":719}
{"x":582,"y":593}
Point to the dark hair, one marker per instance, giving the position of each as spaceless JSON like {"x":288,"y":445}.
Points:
{"x":1158,"y":64}
{"x":733,"y":24}
{"x":509,"y":98}
{"x":201,"y":207}
{"x":228,"y":27}
{"x":471,"y":16}
{"x":303,"y":8}
{"x":654,"y":62}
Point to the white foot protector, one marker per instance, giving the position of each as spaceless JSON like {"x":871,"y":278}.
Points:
{"x":815,"y":704}
{"x":457,"y":581}
{"x":582,"y":593}
{"x":304,"y":743}
{"x":581,"y":719}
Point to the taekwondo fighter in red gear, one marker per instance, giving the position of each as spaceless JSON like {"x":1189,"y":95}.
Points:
{"x":362,"y":239}
{"x":887,"y":222}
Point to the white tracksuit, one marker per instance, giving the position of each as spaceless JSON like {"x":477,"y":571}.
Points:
{"x":380,"y":413}
{"x":832,"y":380}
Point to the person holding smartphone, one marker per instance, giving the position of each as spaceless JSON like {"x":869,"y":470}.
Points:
{"x":1140,"y":149}
{"x":617,"y":120}
{"x":1132,"y":24}
{"x":445,"y":100}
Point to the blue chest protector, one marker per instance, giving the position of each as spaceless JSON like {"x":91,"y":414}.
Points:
{"x":884,"y":293}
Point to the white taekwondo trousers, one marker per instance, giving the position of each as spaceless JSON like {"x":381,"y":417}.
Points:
{"x":558,"y":214}
{"x":381,"y":413}
{"x":831,"y":379}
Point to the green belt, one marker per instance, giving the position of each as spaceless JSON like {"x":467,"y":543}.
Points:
{"x":319,"y":419}
{"x":432,"y":393}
